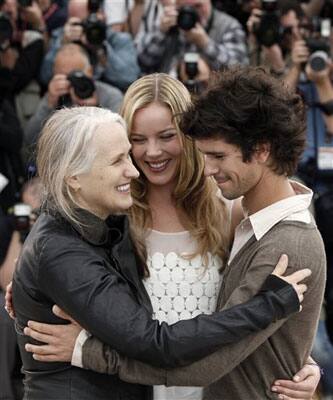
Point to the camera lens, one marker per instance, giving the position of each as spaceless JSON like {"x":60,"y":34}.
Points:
{"x":318,"y":61}
{"x":83,"y":86}
{"x":187,"y":18}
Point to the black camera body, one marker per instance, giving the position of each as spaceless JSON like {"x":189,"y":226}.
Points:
{"x":94,"y":29}
{"x":268,"y":32}
{"x":6,"y":31}
{"x":193,"y":85}
{"x":84,"y":87}
{"x":318,"y":44}
{"x":187,"y":18}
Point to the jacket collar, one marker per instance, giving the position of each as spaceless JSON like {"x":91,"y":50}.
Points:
{"x":93,"y":229}
{"x":100,"y":232}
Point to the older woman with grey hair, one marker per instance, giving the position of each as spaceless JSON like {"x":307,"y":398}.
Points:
{"x":79,"y":255}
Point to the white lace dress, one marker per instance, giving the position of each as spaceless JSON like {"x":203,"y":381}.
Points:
{"x":179,"y":289}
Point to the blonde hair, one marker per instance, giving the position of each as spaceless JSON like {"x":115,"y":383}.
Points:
{"x":206,"y":214}
{"x":64,"y":150}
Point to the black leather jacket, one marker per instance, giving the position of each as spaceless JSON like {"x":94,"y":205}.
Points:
{"x":93,"y":275}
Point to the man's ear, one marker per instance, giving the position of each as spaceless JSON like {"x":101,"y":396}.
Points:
{"x":262,"y":152}
{"x":73,"y":182}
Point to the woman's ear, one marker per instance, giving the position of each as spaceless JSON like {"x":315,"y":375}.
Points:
{"x":73,"y":182}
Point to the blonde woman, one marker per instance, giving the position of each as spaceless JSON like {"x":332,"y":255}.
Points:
{"x":178,"y":213}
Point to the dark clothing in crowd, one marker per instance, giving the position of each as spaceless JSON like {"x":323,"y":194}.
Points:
{"x":26,"y":69}
{"x":10,"y":376}
{"x":11,"y":167}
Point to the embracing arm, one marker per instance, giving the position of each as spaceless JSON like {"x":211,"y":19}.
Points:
{"x":211,"y":368}
{"x":101,"y":300}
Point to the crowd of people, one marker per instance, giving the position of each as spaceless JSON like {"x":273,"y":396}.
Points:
{"x":193,"y":83}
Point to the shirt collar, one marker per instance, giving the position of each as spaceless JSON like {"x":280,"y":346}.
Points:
{"x":263,"y":220}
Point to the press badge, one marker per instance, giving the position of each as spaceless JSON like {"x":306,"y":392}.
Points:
{"x":325,"y":158}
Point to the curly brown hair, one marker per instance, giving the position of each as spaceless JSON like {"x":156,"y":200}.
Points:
{"x":246,"y":107}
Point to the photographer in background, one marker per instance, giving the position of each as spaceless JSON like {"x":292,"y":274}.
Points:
{"x":194,"y":72}
{"x":72,"y":84}
{"x":112,"y":54}
{"x":310,"y":74}
{"x":21,"y":46}
{"x":13,"y":229}
{"x":270,"y":32}
{"x":192,"y":26}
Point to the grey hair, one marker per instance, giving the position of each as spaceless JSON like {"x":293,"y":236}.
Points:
{"x":65,"y":149}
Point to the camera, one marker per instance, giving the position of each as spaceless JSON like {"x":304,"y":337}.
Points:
{"x":22,"y":213}
{"x":193,"y":85}
{"x":84,"y":87}
{"x":25,"y":3}
{"x":319,"y":46}
{"x":187,"y":17}
{"x":269,"y":30}
{"x":6,"y":31}
{"x":94,"y":28}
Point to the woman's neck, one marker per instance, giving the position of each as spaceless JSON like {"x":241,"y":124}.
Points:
{"x":165,"y":215}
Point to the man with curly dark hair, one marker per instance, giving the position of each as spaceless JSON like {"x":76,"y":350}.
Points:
{"x":251,"y":130}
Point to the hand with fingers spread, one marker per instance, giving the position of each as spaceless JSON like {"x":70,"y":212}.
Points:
{"x":293,"y":279}
{"x":303,"y":385}
{"x":9,"y":300}
{"x":59,"y":339}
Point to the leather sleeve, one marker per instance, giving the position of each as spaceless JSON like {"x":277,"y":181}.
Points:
{"x":191,"y":339}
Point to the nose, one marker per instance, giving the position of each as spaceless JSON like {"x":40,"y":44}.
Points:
{"x":153,"y":149}
{"x":210,"y":168}
{"x":131,"y":172}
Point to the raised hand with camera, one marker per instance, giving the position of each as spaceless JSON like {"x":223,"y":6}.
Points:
{"x":169,"y":16}
{"x":198,"y":36}
{"x":58,"y":86}
{"x":299,"y":57}
{"x":323,"y":83}
{"x":31,"y":13}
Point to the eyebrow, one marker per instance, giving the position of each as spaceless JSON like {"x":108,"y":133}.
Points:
{"x":172,"y":128}
{"x":212,"y":153}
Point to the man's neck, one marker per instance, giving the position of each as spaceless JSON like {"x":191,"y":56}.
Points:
{"x":269,"y":190}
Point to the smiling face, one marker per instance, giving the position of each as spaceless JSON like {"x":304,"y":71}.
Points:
{"x":225,"y":163}
{"x":105,"y":189}
{"x":156,"y":147}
